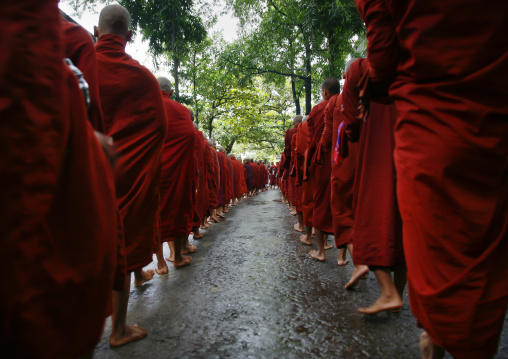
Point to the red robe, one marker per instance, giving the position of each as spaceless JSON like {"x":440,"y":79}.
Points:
{"x":206,"y":174}
{"x":451,"y":151}
{"x":378,"y":228}
{"x":178,"y":181}
{"x":292,"y":174}
{"x":343,"y":161}
{"x":134,"y":115}
{"x":273,"y":175}
{"x":58,"y":213}
{"x":230,"y":190}
{"x":255,"y":175}
{"x":294,"y":169}
{"x":225,"y":180}
{"x":212,"y":180}
{"x":307,"y":186}
{"x":287,"y":147}
{"x":240,"y":187}
{"x":80,"y":48}
{"x":201,"y":190}
{"x":320,"y":167}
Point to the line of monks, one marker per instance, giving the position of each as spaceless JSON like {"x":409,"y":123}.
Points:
{"x":409,"y":166}
{"x":100,"y":167}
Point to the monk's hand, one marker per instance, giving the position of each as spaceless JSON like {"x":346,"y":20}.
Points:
{"x":108,"y":147}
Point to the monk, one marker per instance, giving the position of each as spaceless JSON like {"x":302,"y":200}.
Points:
{"x":343,"y":162}
{"x":255,"y":176}
{"x":304,"y":181}
{"x":225,"y":183}
{"x":53,"y":248}
{"x":230,"y":188}
{"x":248,"y":176}
{"x":287,"y":160}
{"x":201,"y":190}
{"x":296,"y":189}
{"x":240,"y":185}
{"x":204,"y":220}
{"x":213,"y":180}
{"x":80,"y":48}
{"x":273,"y":175}
{"x":451,"y":161}
{"x":321,"y":168}
{"x":129,"y":90}
{"x":178,"y":181}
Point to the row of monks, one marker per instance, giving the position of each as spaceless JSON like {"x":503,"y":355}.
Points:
{"x":99,"y":167}
{"x":408,"y":166}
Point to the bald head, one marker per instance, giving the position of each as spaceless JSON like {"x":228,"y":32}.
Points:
{"x":305,"y":118}
{"x":165,"y":85}
{"x":331,"y":86}
{"x":222,"y":149}
{"x":211,"y":142}
{"x":114,"y":19}
{"x":297,"y":120}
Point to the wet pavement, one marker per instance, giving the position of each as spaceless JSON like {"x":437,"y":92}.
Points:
{"x":252,"y":291}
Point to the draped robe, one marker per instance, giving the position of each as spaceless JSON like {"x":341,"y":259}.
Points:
{"x":320,"y":167}
{"x":212,"y":176}
{"x":240,"y":186}
{"x":201,"y":190}
{"x":248,"y":174}
{"x":134,"y":115}
{"x":307,"y":186}
{"x":178,"y":180}
{"x":451,"y":151}
{"x":58,"y":213}
{"x":230,"y":189}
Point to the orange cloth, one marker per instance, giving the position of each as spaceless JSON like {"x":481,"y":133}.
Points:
{"x":178,"y":179}
{"x":58,"y":213}
{"x":134,"y":115}
{"x":451,"y":153}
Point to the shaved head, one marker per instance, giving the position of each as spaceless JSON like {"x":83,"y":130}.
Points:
{"x":115,"y":19}
{"x":196,"y":126}
{"x":222,"y":149}
{"x":231,"y":155}
{"x":211,"y":142}
{"x":297,"y":120}
{"x":165,"y":85}
{"x":332,"y":85}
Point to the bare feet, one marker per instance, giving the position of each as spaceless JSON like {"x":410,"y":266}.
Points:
{"x":328,"y":246}
{"x":358,"y":272}
{"x":189,"y":248}
{"x":315,"y":254}
{"x":383,"y":303}
{"x":205,"y":226}
{"x":293,"y":213}
{"x":341,"y":258}
{"x":428,"y":349}
{"x":306,"y":241}
{"x":162,"y":268}
{"x":183,"y":262}
{"x":215,"y":219}
{"x":221,"y":215}
{"x":171,"y":258}
{"x":197,"y":236}
{"x":298,"y":228}
{"x":131,"y":333}
{"x":144,"y":277}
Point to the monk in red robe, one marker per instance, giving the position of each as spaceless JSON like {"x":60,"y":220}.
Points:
{"x":204,"y":221}
{"x":273,"y":175}
{"x":240,"y":185}
{"x":129,"y":90}
{"x":287,"y":160}
{"x":321,"y":168}
{"x":306,"y":184}
{"x":58,"y":213}
{"x":378,"y":226}
{"x":213,"y":179}
{"x":225,"y":183}
{"x":297,"y":190}
{"x":178,"y":180}
{"x":232,"y":179}
{"x":201,"y":190}
{"x":451,"y":153}
{"x":80,"y":48}
{"x":248,"y":176}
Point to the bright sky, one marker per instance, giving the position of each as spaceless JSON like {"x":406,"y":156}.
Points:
{"x":138,"y":49}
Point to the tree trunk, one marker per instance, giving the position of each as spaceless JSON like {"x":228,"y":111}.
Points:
{"x":229,"y":147}
{"x":210,"y":128}
{"x":176,"y":64}
{"x":331,"y":57}
{"x":295,"y":97}
{"x":308,"y":82}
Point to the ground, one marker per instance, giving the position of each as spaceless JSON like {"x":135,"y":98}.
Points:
{"x":252,"y":291}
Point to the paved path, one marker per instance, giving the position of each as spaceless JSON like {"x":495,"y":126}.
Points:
{"x":252,"y":291}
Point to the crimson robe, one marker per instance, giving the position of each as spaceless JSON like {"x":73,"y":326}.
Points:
{"x":249,"y":175}
{"x":451,"y":152}
{"x":178,"y":181}
{"x":294,"y":169}
{"x":343,"y":157}
{"x":212,"y":177}
{"x":273,"y":175}
{"x":307,"y":185}
{"x":287,"y":147}
{"x":224,"y":179}
{"x":230,"y":189}
{"x":80,"y":48}
{"x":58,"y":213}
{"x":320,"y":167}
{"x":134,"y":115}
{"x":205,"y":146}
{"x":240,"y":187}
{"x":201,"y":190}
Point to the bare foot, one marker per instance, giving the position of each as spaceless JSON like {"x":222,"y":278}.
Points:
{"x":293,"y":213}
{"x":221,"y":215}
{"x":170,"y":258}
{"x":306,"y":241}
{"x":145,"y":277}
{"x":298,"y":228}
{"x":205,"y":226}
{"x":341,"y":258}
{"x":131,"y":333}
{"x":198,"y":236}
{"x":428,"y":349}
{"x":383,"y":303}
{"x":189,"y":248}
{"x":358,"y":272}
{"x":315,"y":254}
{"x":216,"y":220}
{"x":185,"y":260}
{"x":162,"y":268}
{"x":328,"y":246}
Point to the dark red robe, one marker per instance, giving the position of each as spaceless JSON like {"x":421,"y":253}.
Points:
{"x":58,"y":213}
{"x":302,"y":146}
{"x":134,"y":115}
{"x":212,"y":177}
{"x":449,"y":89}
{"x":230,"y":189}
{"x":201,"y":190}
{"x":343,"y":157}
{"x":240,"y":185}
{"x":320,"y":167}
{"x":178,"y":180}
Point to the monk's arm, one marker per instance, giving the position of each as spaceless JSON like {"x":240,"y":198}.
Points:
{"x":383,"y":49}
{"x":326,"y":137}
{"x":351,"y":100}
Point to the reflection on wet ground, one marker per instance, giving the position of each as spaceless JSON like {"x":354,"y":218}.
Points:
{"x":252,"y":291}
